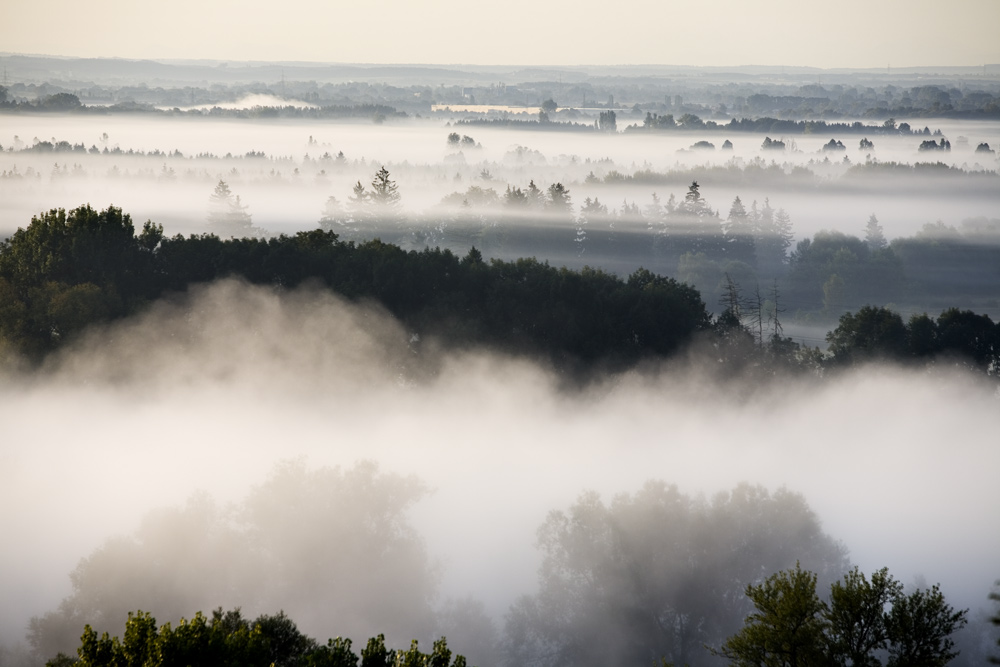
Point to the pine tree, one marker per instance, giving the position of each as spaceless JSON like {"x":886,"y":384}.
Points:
{"x":874,"y":236}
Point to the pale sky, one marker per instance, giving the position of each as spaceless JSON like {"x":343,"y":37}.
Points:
{"x":848,"y":33}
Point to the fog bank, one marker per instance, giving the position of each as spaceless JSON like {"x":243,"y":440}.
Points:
{"x":210,"y":392}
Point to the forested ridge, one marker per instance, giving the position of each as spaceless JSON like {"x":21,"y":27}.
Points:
{"x":68,"y":270}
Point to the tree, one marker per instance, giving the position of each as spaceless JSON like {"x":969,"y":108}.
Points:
{"x":874,"y":236}
{"x":787,"y":627}
{"x":357,"y":204}
{"x":792,"y":626}
{"x":739,"y":234}
{"x":871,"y":333}
{"x":657,"y":574}
{"x":856,"y":616}
{"x":607,"y":122}
{"x":335,"y":219}
{"x":228,"y":216}
{"x":919,"y":628}
{"x":384,"y":194}
{"x":558,"y":200}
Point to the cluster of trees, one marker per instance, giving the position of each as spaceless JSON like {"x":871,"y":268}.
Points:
{"x":68,"y":102}
{"x":833,"y":272}
{"x":228,"y":216}
{"x":863,"y":620}
{"x":687,"y":239}
{"x":880,"y":333}
{"x":374,"y":213}
{"x":228,"y":640}
{"x":940,"y":265}
{"x":331,"y":545}
{"x":658,"y":574}
{"x":770,"y":125}
{"x":931,"y":145}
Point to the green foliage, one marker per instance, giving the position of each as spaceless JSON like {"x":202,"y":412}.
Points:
{"x":69,"y":270}
{"x":919,"y":629}
{"x":227,"y":640}
{"x":787,"y":627}
{"x":871,"y":333}
{"x":879,"y":333}
{"x":792,"y":627}
{"x":856,"y":616}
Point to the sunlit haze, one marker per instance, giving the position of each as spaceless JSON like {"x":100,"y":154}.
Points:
{"x":853,"y":34}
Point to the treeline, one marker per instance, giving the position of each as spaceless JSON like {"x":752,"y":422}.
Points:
{"x":229,"y":640}
{"x":691,"y":122}
{"x":70,"y":103}
{"x":68,"y":270}
{"x":535,"y":124}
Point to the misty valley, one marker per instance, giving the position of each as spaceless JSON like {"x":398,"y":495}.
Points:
{"x":430,"y":366}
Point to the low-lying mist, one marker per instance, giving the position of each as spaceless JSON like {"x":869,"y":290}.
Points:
{"x":214,"y":391}
{"x":285,"y":170}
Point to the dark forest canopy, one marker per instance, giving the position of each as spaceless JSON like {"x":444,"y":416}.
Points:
{"x":69,"y":270}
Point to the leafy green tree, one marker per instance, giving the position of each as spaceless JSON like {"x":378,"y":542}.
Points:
{"x":67,"y":270}
{"x":787,"y":627}
{"x":856,"y":617}
{"x":871,"y":333}
{"x":919,"y":628}
{"x":970,"y":336}
{"x":792,"y":626}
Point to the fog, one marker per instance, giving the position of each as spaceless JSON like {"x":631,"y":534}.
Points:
{"x":211,"y":392}
{"x":287,"y":187}
{"x":232,"y":397}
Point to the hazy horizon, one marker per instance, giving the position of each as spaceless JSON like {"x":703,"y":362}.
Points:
{"x":524,"y":33}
